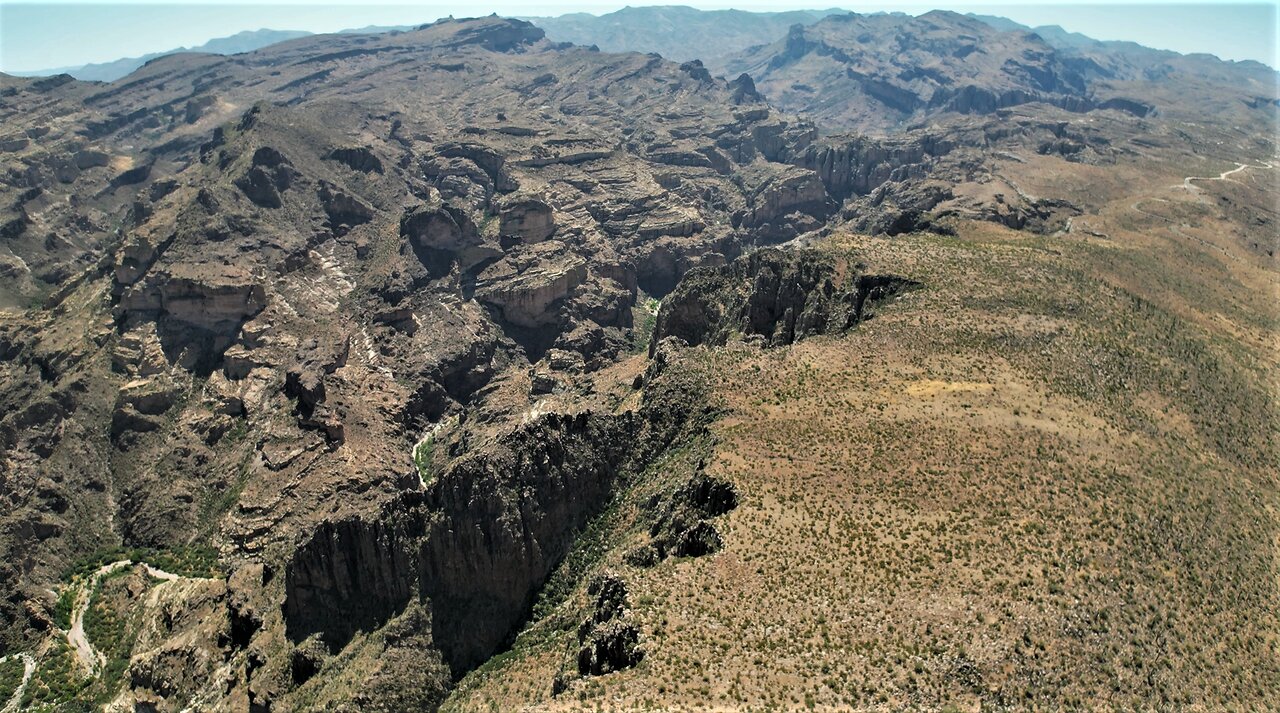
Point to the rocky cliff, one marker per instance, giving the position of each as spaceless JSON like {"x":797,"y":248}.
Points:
{"x":476,"y":546}
{"x":775,"y":296}
{"x":357,"y":323}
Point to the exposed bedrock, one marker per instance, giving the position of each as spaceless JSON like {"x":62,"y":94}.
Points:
{"x":608,"y":641}
{"x":344,"y":210}
{"x":267,"y":177}
{"x":507,"y":519}
{"x":780,"y":296}
{"x":525,"y":297}
{"x":478,"y":543}
{"x":787,"y":205}
{"x":680,"y":520}
{"x":971,"y":99}
{"x":442,"y":235}
{"x":357,"y":158}
{"x":199,"y":309}
{"x":857,"y":165}
{"x":351,"y":576}
{"x":525,"y":219}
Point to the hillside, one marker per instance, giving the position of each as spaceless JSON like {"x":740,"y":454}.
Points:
{"x":466,"y":368}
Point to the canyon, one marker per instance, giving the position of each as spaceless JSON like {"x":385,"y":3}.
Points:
{"x":463,"y":367}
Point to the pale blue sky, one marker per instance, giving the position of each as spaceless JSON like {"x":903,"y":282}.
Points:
{"x":57,"y":34}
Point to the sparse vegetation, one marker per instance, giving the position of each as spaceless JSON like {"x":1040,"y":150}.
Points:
{"x":998,"y":493}
{"x":190,"y":561}
{"x":424,"y":458}
{"x":11,"y":670}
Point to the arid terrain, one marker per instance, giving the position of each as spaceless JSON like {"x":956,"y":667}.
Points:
{"x":882,"y":363}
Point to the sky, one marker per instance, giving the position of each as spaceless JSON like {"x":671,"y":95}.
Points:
{"x":46,"y":35}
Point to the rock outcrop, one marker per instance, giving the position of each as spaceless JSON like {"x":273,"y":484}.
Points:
{"x":479,"y":541}
{"x":776,"y":295}
{"x":607,"y":640}
{"x":526,"y":219}
{"x":787,"y":205}
{"x":357,"y":158}
{"x":269,"y":174}
{"x":680,"y":520}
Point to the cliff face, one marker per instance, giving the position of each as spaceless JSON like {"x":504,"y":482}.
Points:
{"x":780,"y":297}
{"x":857,"y":165}
{"x":505,"y":519}
{"x":350,"y":576}
{"x":475,"y":547}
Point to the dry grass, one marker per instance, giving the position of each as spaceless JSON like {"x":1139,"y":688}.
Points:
{"x":1047,"y":480}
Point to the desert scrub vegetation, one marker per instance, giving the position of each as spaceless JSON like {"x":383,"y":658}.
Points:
{"x":11,"y":671}
{"x":106,"y":625}
{"x":57,"y":683}
{"x":184,"y":561}
{"x":1028,"y":485}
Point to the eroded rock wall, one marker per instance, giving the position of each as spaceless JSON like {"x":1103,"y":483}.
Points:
{"x":774,"y":295}
{"x":476,"y":546}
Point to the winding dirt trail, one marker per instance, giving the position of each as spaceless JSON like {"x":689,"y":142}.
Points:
{"x":91,"y":659}
{"x":28,"y":669}
{"x":1188,"y":184}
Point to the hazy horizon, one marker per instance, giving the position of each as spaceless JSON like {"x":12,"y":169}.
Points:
{"x":44,"y":36}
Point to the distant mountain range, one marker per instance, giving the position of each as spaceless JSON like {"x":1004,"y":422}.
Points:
{"x":246,"y":41}
{"x":676,"y":32}
{"x":881,"y":72}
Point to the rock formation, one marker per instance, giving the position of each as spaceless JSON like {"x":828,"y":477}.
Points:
{"x":779,"y":296}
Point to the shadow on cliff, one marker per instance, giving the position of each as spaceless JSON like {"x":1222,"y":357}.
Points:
{"x":479,"y":543}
